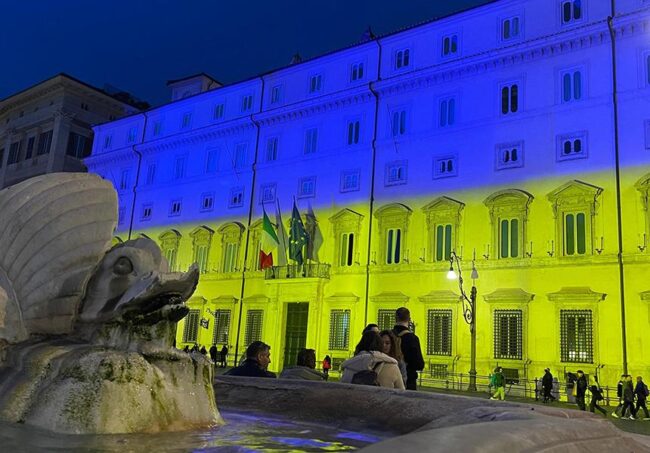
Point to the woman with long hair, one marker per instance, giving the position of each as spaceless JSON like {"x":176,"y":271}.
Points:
{"x":392,"y":347}
{"x":368,"y":358}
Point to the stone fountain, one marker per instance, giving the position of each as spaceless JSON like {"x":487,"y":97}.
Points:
{"x":86,"y":330}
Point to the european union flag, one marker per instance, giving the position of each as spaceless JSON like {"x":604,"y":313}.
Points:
{"x":298,"y":236}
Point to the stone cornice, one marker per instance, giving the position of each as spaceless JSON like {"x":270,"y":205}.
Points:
{"x":257,"y":298}
{"x":390,"y":296}
{"x":224,"y":299}
{"x":346,"y":298}
{"x":576,"y":294}
{"x":443,"y":297}
{"x":122,"y":155}
{"x":509,"y":295}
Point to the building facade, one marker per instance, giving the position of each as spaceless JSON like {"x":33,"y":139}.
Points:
{"x":47,"y":128}
{"x":495,"y":133}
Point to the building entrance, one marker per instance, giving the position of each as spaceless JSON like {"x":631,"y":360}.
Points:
{"x":296,"y":331}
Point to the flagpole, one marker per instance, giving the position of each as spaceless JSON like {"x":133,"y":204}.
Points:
{"x":284,"y":240}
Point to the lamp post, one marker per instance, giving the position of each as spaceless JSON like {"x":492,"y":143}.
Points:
{"x":469,"y":309}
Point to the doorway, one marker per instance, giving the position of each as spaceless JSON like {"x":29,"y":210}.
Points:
{"x":296,"y":331}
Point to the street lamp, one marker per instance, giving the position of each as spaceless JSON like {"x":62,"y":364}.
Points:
{"x":469,"y":309}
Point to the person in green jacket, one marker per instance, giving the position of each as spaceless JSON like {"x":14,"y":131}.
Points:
{"x":498,"y":382}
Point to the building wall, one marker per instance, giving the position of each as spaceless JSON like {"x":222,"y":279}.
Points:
{"x":410,"y":190}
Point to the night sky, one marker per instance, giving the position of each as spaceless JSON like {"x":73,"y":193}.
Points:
{"x":138,"y":45}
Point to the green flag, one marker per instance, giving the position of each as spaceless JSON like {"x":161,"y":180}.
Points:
{"x":298,"y":236}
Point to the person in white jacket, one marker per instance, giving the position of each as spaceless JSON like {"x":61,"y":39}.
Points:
{"x":370,"y":357}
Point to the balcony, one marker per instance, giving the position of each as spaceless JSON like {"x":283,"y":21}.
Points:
{"x":313,"y":270}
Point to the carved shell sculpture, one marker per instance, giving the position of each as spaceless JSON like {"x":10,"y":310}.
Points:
{"x":54,"y":230}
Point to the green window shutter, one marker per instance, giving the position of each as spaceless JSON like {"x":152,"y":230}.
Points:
{"x":581,"y":233}
{"x":569,"y":234}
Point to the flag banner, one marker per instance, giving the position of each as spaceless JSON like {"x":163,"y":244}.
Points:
{"x":268,"y":243}
{"x":298,"y":236}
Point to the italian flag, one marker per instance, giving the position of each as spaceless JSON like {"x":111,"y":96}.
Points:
{"x":269,"y":242}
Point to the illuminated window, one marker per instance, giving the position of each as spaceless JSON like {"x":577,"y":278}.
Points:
{"x":201,"y":240}
{"x":267,"y":193}
{"x":246,"y":103}
{"x":447,"y":112}
{"x":445,"y":167}
{"x":443,"y":221}
{"x":131,"y":136}
{"x":509,"y":155}
{"x":398,"y":123}
{"x":402,"y":58}
{"x":576,"y":336}
{"x":393,"y":245}
{"x":509,"y":234}
{"x":571,"y":11}
{"x":311,"y":141}
{"x":254,"y":319}
{"x":339,"y":339}
{"x":396,"y":173}
{"x":443,"y":237}
{"x":276,"y":92}
{"x":221,"y":327}
{"x":357,"y":72}
{"x":509,"y":215}
{"x":230,"y":257}
{"x":207,"y":202}
{"x":349,"y":181}
{"x":510,"y":98}
{"x":272,"y":149}
{"x":508,"y":334}
{"x":393,"y":222}
{"x":315,"y":83}
{"x":510,"y":28}
{"x":575,"y":232}
{"x":572,"y":146}
{"x":125,"y":179}
{"x":236,"y":199}
{"x":450,"y":45}
{"x":307,"y":187}
{"x":186,"y":120}
{"x":191,"y":329}
{"x":386,"y":319}
{"x":146,"y":212}
{"x":175,"y":208}
{"x":353,"y":132}
{"x":439,"y":332}
{"x":169,"y":242}
{"x":218,"y":111}
{"x":571,"y":85}
{"x":346,"y":253}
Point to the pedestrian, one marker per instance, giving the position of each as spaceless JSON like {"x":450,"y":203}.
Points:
{"x":628,"y":397}
{"x":619,"y":394}
{"x":258,"y":358}
{"x":580,"y":390}
{"x":373,"y":327}
{"x":213,"y":354}
{"x":203,"y":350}
{"x":327,"y":366}
{"x":410,"y":345}
{"x":370,"y":366}
{"x":305,"y":367}
{"x":195,"y":348}
{"x":186,"y":349}
{"x":547,"y":385}
{"x":224,"y":355}
{"x":392,"y":347}
{"x":596,"y":395}
{"x":641,"y":392}
{"x":499,"y":383}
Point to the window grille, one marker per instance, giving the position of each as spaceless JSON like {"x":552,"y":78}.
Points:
{"x":191,"y":330}
{"x":439,"y":332}
{"x":507,"y":334}
{"x":576,"y":336}
{"x":386,"y":319}
{"x":221,"y":327}
{"x":439,"y":370}
{"x":339,"y":330}
{"x":254,"y":320}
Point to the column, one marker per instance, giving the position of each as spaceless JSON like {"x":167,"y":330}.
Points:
{"x":60,"y":132}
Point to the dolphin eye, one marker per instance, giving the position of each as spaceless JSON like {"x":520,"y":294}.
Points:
{"x":123,"y":266}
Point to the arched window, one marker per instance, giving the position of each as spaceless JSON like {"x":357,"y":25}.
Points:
{"x":509,"y":215}
{"x":169,"y":242}
{"x":201,"y":240}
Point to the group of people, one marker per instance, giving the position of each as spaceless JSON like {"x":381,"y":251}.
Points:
{"x":627,"y":391}
{"x":390,"y":358}
{"x":219,"y":358}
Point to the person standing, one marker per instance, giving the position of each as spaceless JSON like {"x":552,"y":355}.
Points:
{"x":547,"y":385}
{"x":498,"y":382}
{"x":410,"y":345}
{"x":581,"y":390}
{"x":327,"y":366}
{"x":224,"y":355}
{"x":628,"y":397}
{"x":213,"y":354}
{"x":641,"y":392}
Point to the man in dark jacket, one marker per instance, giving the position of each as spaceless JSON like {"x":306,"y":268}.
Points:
{"x":581,"y":390}
{"x":641,"y":392}
{"x":628,"y":397}
{"x":258,"y":357}
{"x":224,"y":356}
{"x":213,"y":354}
{"x":410,"y":345}
{"x":619,"y":394}
{"x":547,"y":385}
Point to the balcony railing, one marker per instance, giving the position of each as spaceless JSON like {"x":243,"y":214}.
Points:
{"x":312,"y":270}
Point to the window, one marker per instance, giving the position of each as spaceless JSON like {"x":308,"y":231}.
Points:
{"x":356,"y":72}
{"x":447,"y":112}
{"x":191,"y":329}
{"x":393,"y":245}
{"x":207,"y":202}
{"x":402,"y":58}
{"x":571,"y":11}
{"x":396,"y":173}
{"x":201,"y":239}
{"x":439,"y":332}
{"x":307,"y":187}
{"x":276,"y":91}
{"x":450,"y":45}
{"x":509,"y":98}
{"x":236,"y":199}
{"x":179,"y":167}
{"x":311,"y":141}
{"x":575,"y":233}
{"x":212,"y":161}
{"x":349,"y":181}
{"x":151,"y":174}
{"x":30,"y":147}
{"x":230,"y":257}
{"x":353,"y":132}
{"x":218,"y":111}
{"x":131,"y":135}
{"x":267,"y":193}
{"x":175,"y":208}
{"x":571,"y":86}
{"x":339,"y":330}
{"x":443,"y":240}
{"x":146,"y":211}
{"x":247,"y":103}
{"x":572,"y":146}
{"x":272,"y":149}
{"x":241,"y":150}
{"x":346,"y":254}
{"x":107,"y":142}
{"x":315,"y":83}
{"x":509,"y":155}
{"x":398,"y":123}
{"x":443,"y":221}
{"x":444,"y":167}
{"x":14,"y":152}
{"x":509,"y":238}
{"x":78,"y":146}
{"x":121,"y":216}
{"x":157,"y":128}
{"x":169,"y":242}
{"x":507,"y":334}
{"x":510,"y":28}
{"x":254,"y":320}
{"x":125,"y":179}
{"x":576,"y":340}
{"x":386,"y":319}
{"x":221,"y":327}
{"x":45,"y":141}
{"x":186,"y":120}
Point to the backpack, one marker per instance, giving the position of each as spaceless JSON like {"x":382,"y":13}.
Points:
{"x":367,"y":377}
{"x":645,"y":390}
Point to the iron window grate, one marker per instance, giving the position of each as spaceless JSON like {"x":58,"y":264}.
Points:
{"x":439,"y":370}
{"x":576,"y":336}
{"x":385,"y":319}
{"x":254,"y":320}
{"x":339,"y":330}
{"x":221,"y":327}
{"x":507,"y":334}
{"x":191,"y":330}
{"x":439,"y":332}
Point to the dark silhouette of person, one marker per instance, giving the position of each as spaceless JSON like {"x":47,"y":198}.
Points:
{"x":258,"y":358}
{"x":224,"y":355}
{"x":410,"y":347}
{"x":547,"y":385}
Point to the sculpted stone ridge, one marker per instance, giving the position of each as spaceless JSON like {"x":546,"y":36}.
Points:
{"x":86,"y":333}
